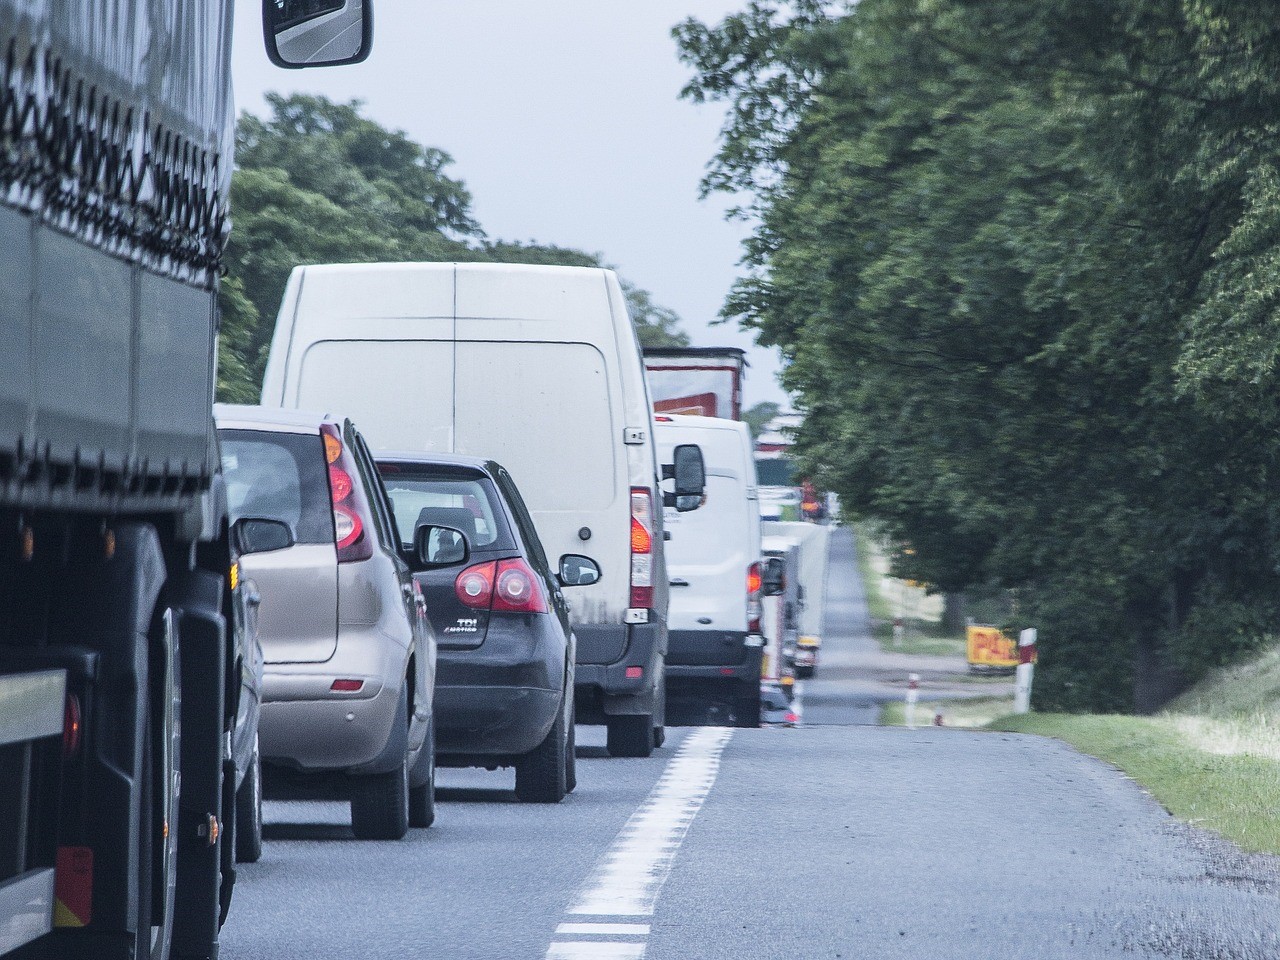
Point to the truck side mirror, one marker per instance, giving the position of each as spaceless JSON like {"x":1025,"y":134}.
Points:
{"x":317,"y":33}
{"x":260,"y":535}
{"x":439,"y":546}
{"x":774,"y":581}
{"x":690,"y":475}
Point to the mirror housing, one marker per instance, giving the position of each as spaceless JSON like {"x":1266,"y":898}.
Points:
{"x":260,"y":535}
{"x":578,"y":571}
{"x":439,"y":547}
{"x":774,"y":579}
{"x":689,"y":471}
{"x":317,"y":33}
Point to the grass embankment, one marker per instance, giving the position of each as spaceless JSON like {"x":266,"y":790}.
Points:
{"x":888,"y":598}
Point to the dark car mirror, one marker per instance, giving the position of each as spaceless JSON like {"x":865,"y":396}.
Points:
{"x":317,"y":33}
{"x":774,"y":581}
{"x":578,"y":571}
{"x":690,"y":474}
{"x":440,"y":546}
{"x":260,"y":535}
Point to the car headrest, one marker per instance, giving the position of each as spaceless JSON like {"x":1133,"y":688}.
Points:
{"x":459,"y":518}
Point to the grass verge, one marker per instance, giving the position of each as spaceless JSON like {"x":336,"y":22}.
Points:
{"x":921,"y":637}
{"x":969,"y":713}
{"x":1218,"y":775}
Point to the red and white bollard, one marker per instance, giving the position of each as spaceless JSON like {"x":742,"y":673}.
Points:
{"x":913,"y":697}
{"x":1026,"y":670}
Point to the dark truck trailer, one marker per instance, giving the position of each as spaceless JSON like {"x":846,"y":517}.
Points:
{"x":118,"y":680}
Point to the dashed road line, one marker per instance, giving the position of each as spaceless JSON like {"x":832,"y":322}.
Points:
{"x":627,"y":880}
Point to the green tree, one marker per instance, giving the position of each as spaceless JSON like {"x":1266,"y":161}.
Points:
{"x":1009,"y":251}
{"x":318,"y":182}
{"x":759,"y":415}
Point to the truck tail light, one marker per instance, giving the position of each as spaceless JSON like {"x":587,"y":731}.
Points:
{"x":641,"y":548}
{"x":755,"y":582}
{"x":349,"y":506}
{"x":504,"y":586}
{"x":72,"y":726}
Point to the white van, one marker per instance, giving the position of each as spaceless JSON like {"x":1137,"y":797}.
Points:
{"x":538,"y":368}
{"x":713,"y":560}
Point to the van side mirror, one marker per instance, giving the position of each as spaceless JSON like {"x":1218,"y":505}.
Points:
{"x":439,"y":546}
{"x":578,"y":571}
{"x":690,"y":474}
{"x":317,"y":33}
{"x":260,"y":535}
{"x":774,"y":581}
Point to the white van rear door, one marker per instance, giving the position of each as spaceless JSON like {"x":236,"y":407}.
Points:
{"x":399,"y":392}
{"x":707,"y":559}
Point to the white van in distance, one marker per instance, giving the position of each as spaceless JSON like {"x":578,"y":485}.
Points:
{"x":713,"y":560}
{"x":536,"y":367}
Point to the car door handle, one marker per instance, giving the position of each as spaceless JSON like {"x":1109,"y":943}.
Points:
{"x":679,"y":582}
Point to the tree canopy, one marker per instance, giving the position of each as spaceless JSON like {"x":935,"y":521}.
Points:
{"x":318,"y":182}
{"x":1023,"y":260}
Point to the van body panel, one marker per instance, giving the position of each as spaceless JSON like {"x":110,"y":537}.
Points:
{"x":538,"y":367}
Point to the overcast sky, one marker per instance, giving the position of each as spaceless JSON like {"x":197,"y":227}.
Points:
{"x":563,"y":118}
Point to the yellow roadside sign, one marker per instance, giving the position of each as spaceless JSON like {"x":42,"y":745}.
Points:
{"x":990,"y":647}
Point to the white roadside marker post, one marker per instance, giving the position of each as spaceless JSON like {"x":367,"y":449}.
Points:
{"x":1026,"y":670}
{"x":913,"y":695}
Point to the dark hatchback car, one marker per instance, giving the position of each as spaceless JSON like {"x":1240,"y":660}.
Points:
{"x":505,"y":673}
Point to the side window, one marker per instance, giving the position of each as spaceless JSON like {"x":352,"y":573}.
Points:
{"x":528,"y":532}
{"x":382,"y":518}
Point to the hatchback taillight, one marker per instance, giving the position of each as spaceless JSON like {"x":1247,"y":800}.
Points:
{"x":504,"y":586}
{"x":349,"y":506}
{"x":641,"y":548}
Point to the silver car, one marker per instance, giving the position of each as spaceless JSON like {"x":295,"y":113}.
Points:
{"x":350,"y":656}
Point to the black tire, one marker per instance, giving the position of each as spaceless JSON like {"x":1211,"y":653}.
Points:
{"x":380,"y":804}
{"x":540,"y":773}
{"x":630,"y":736}
{"x":747,"y":711}
{"x":249,"y":813}
{"x":659,"y":736}
{"x":422,"y":800}
{"x":159,"y":808}
{"x":804,"y":673}
{"x":571,"y":751}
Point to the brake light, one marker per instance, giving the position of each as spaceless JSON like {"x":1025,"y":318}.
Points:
{"x":517,"y":589}
{"x":474,"y":585}
{"x":755,"y":582}
{"x":71,"y":726}
{"x":349,"y":506}
{"x":505,"y":586}
{"x":641,"y":548}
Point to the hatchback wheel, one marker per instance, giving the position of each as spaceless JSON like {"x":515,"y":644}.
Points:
{"x":630,"y":736}
{"x":422,"y":800}
{"x":380,"y":804}
{"x":249,"y":813}
{"x":571,"y":752}
{"x":541,"y":773}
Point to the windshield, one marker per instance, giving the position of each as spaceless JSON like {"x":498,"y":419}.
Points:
{"x":278,"y":476}
{"x":466,"y":504}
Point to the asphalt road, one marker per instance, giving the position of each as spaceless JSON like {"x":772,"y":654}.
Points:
{"x":829,"y":841}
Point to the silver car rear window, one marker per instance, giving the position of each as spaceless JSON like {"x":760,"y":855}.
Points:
{"x":278,"y":476}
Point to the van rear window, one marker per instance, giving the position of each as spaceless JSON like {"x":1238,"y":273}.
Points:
{"x":278,"y":476}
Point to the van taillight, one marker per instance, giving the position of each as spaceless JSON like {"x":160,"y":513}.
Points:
{"x":349,"y":507}
{"x":641,"y":548}
{"x":504,"y":586}
{"x":755,"y":582}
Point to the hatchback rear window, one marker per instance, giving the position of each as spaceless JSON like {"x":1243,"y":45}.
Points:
{"x":278,"y":476}
{"x":468,"y":504}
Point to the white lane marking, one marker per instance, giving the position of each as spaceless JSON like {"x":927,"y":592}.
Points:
{"x":626,"y":881}
{"x":605,"y":929}
{"x":596,"y":951}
